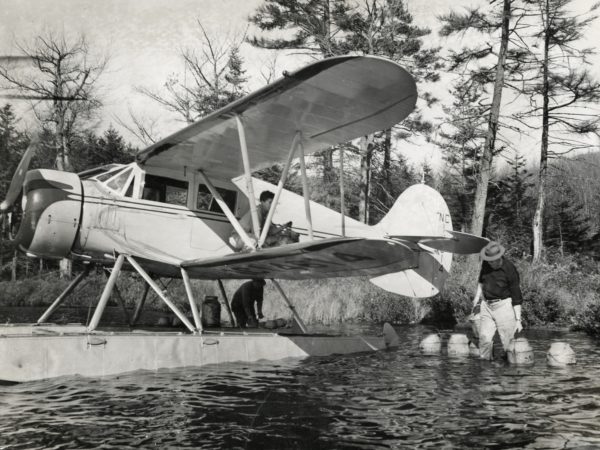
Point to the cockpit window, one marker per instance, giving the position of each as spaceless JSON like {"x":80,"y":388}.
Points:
{"x":104,"y":172}
{"x":117,"y":183}
{"x":165,"y":190}
{"x":206,"y":201}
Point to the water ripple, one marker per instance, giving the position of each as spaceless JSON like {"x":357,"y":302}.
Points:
{"x":392,"y":399}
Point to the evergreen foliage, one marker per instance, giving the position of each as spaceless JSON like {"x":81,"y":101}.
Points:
{"x":568,"y":226}
{"x":510,"y":206}
{"x":461,"y":139}
{"x":91,"y":150}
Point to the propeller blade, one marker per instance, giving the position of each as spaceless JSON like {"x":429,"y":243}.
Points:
{"x":15,"y":58}
{"x":40,"y":97}
{"x":17,"y":181}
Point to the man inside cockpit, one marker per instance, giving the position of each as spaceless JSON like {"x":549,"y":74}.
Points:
{"x":277,"y":234}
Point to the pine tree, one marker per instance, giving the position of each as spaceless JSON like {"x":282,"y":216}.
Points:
{"x":510,"y":206}
{"x":386,"y":28}
{"x":498,"y":20}
{"x":568,"y":226}
{"x":12,"y":146}
{"x":313,"y":28}
{"x":462,"y":138}
{"x":564,"y":89}
{"x":312,"y":25}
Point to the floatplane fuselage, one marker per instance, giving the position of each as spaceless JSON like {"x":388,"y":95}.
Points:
{"x":171,"y":213}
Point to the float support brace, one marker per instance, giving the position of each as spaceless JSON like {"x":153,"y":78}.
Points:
{"x":140,"y":304}
{"x":121,"y":301}
{"x":291,"y":306}
{"x":110,"y":284}
{"x":190,"y":295}
{"x":284,"y":174}
{"x":232,"y":219}
{"x":305,"y":191}
{"x":227,"y":307}
{"x":160,"y":293}
{"x":248,"y":175}
{"x":61,"y":298}
{"x":342,"y":204}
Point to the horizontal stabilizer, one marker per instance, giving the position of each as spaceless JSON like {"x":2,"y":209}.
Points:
{"x":325,"y":258}
{"x":459,"y":243}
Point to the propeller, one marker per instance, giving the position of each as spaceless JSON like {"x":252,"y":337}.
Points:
{"x":16,"y":183}
{"x":41,"y":97}
{"x":29,"y":59}
{"x":15,"y":58}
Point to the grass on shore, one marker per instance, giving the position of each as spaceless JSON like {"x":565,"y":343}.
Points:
{"x":563,"y":292}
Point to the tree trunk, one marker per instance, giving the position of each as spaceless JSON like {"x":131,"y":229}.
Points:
{"x":66,"y":268}
{"x":538,"y":221}
{"x":387,"y":160}
{"x":327,"y":166}
{"x":366,"y":144}
{"x":13,"y":272}
{"x":483,"y":177}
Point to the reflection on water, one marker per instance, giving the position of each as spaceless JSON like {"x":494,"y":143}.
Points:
{"x":395,"y":399}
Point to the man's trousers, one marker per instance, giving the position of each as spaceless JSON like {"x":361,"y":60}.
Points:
{"x":496,"y":316}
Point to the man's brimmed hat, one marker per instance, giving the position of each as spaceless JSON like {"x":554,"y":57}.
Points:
{"x":492,"y":251}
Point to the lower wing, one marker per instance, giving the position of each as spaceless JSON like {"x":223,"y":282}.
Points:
{"x":326,"y":258}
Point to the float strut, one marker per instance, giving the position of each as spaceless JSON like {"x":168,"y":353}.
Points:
{"x":160,"y":293}
{"x":112,"y":279}
{"x":342,"y":195}
{"x":226,"y":302}
{"x":305,"y":190}
{"x":70,"y":288}
{"x":291,"y":306}
{"x":121,"y":301}
{"x":140,"y":305}
{"x":282,"y":179}
{"x":190,"y":295}
{"x":248,"y":176}
{"x":232,"y":219}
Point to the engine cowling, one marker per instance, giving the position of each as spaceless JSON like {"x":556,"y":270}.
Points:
{"x":52,"y":204}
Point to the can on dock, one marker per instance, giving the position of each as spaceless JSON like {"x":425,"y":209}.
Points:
{"x":211,"y":311}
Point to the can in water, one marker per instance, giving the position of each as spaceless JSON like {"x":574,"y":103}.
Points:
{"x":431,"y":344}
{"x":519,"y":352}
{"x":560,"y":354}
{"x":458,"y":345}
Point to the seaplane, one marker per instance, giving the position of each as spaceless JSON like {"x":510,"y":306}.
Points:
{"x":171,"y":213}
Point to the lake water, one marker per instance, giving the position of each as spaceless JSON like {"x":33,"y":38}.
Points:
{"x":390,"y":399}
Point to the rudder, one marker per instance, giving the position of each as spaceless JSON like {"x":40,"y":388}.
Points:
{"x":420,"y":211}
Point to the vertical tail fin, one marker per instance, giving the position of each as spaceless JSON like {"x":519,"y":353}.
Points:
{"x":420,"y":211}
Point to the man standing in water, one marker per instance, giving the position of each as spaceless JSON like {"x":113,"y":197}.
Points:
{"x":501,"y":299}
{"x":243,"y":301}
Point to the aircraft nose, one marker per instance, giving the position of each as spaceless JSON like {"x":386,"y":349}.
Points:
{"x":52,"y":202}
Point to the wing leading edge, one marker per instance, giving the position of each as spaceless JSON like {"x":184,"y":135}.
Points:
{"x":329,"y":102}
{"x":326,"y":258}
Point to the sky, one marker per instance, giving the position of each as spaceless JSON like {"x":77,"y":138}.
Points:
{"x":144,"y":39}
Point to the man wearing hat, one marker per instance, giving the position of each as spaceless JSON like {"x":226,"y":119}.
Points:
{"x":501,"y":299}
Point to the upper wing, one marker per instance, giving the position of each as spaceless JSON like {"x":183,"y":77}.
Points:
{"x":326,"y":258}
{"x":329,"y":102}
